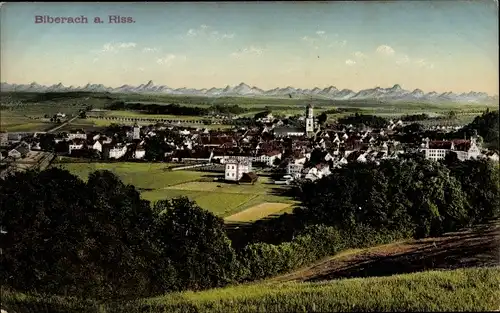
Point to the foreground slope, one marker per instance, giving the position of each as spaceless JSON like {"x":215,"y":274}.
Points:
{"x":475,"y":247}
{"x":474,"y":289}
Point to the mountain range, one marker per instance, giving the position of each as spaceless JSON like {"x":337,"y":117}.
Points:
{"x":394,"y":93}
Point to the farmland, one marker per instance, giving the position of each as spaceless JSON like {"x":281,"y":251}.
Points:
{"x":257,"y":212}
{"x":156,"y":183}
{"x":24,"y":111}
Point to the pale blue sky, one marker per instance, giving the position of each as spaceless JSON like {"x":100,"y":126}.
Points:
{"x":438,"y":45}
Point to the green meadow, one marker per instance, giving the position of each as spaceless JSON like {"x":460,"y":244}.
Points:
{"x":156,"y":182}
{"x":472,"y":290}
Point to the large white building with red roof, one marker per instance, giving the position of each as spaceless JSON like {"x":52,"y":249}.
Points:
{"x":465,"y":149}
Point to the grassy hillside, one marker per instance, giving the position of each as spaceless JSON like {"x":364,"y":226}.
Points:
{"x":474,"y":289}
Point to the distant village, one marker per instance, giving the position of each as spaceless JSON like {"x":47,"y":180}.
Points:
{"x":308,"y":152}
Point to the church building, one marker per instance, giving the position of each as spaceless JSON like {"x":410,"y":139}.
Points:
{"x":309,"y":130}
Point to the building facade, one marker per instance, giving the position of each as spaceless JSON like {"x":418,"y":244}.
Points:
{"x":465,"y":149}
{"x":235,"y":169}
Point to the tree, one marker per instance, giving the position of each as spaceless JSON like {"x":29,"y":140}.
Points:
{"x":480,"y":182}
{"x":40,"y":213}
{"x":487,"y":126}
{"x":322,"y":118}
{"x":276,"y":161}
{"x":195,"y":241}
{"x":71,"y":238}
{"x":451,"y":157}
{"x":413,"y":128}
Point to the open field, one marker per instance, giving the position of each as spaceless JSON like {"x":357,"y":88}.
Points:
{"x":156,"y":183}
{"x":90,"y":124}
{"x":473,"y":290}
{"x":18,"y":108}
{"x":257,"y":212}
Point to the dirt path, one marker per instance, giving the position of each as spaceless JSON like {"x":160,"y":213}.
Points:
{"x":475,"y":247}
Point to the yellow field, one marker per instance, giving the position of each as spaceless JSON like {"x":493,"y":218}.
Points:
{"x":257,"y":212}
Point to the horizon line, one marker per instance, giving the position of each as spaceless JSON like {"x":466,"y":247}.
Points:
{"x":228,"y":85}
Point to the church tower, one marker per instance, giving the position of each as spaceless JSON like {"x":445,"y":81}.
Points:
{"x":137,"y":131}
{"x":309,"y":121}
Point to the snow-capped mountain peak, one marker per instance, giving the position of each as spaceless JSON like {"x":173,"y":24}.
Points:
{"x":394,"y":93}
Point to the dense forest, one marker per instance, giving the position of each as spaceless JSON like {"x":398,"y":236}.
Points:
{"x":176,"y":109}
{"x":99,"y":239}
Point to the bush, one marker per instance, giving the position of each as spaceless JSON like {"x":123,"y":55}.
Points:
{"x":315,"y":242}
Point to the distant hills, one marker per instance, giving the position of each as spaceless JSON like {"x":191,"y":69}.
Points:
{"x":395,"y":93}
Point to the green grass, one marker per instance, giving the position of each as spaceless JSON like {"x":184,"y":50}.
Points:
{"x":473,"y":289}
{"x":26,"y":126}
{"x":155,"y":183}
{"x":141,"y":175}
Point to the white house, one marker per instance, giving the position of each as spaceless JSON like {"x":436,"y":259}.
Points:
{"x":317,"y":172}
{"x":294,"y":169}
{"x":77,"y":135}
{"x":139,"y":153}
{"x":97,"y":146}
{"x":117,"y":151}
{"x":269,"y":157}
{"x":235,"y":169}
{"x":491,"y":155}
{"x":20,"y":151}
{"x":76,"y":144}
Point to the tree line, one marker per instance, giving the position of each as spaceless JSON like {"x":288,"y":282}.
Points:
{"x":99,"y":239}
{"x":176,"y":109}
{"x":364,"y":119}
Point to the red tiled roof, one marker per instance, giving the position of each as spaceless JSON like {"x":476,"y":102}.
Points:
{"x":440,"y":144}
{"x":462,"y":145}
{"x":216,"y":140}
{"x":272,"y":152}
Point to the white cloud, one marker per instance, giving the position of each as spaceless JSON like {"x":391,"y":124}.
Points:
{"x":386,"y":50}
{"x":116,"y":47}
{"x":169,"y":59}
{"x":350,"y":62}
{"x":147,"y":49}
{"x":359,"y":55}
{"x":247,"y":51}
{"x":424,"y":63}
{"x":404,"y":59}
{"x":204,"y":32}
{"x":125,"y":45}
{"x":309,"y":39}
{"x":141,"y":69}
